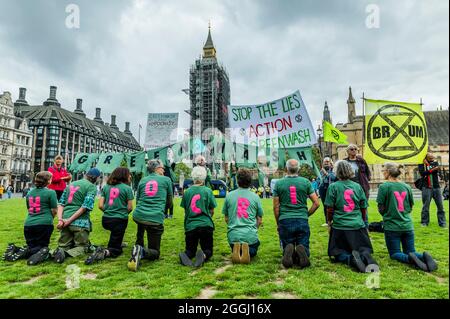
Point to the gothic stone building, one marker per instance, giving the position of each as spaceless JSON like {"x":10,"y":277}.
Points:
{"x":60,"y":131}
{"x":438,"y":141}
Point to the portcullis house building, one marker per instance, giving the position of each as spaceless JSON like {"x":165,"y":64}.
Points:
{"x":59,"y":131}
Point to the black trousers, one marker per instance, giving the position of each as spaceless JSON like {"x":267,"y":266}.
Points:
{"x":154,"y":234}
{"x":169,"y":211}
{"x":117,"y":227}
{"x":59,"y":194}
{"x":37,"y":237}
{"x":204,"y":235}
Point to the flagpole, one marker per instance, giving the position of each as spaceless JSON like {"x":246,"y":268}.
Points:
{"x":364,"y":123}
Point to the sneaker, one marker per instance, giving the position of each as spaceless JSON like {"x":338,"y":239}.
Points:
{"x":236,"y":256}
{"x":417,"y":262}
{"x":98,"y":255}
{"x":42,"y":255}
{"x":288,"y":253}
{"x":136,"y":255}
{"x":199,"y":259}
{"x":303,"y":259}
{"x":9,"y":251}
{"x":59,"y":255}
{"x":324,"y":225}
{"x":19,"y":253}
{"x":185,"y":260}
{"x":372,"y":265}
{"x":356,"y":261}
{"x":430,"y":262}
{"x":245,"y":257}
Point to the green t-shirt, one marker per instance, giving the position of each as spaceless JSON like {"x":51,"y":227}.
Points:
{"x":242,"y":206}
{"x":397,"y":198}
{"x":79,"y":194}
{"x":151,"y":198}
{"x":197,"y":202}
{"x":116,"y":200}
{"x":40,"y":202}
{"x":293,"y":192}
{"x":347,"y":198}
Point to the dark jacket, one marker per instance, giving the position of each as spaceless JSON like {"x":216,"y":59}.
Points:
{"x":363,"y":177}
{"x":431,"y":179}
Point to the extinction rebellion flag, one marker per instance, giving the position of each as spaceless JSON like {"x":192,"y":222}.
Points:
{"x":395,"y":132}
{"x":332,"y":134}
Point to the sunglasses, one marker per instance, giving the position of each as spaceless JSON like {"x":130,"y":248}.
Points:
{"x":352,"y":149}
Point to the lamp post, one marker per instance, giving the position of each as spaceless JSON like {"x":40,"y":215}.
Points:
{"x":319,"y":133}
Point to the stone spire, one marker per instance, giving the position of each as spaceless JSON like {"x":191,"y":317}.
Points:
{"x":326,"y":113}
{"x":351,"y":104}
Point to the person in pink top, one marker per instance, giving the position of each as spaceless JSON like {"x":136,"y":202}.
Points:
{"x":60,"y":176}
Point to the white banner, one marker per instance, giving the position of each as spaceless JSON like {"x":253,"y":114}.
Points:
{"x":161,"y":130}
{"x":283,"y":123}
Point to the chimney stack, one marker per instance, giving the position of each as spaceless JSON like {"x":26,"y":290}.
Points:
{"x":21,"y":101}
{"x":113,"y":122}
{"x":79,"y":108}
{"x":127,"y":128}
{"x":52,"y":98}
{"x":97,"y":117}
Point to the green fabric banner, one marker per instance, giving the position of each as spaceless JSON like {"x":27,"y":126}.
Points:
{"x":135,"y":161}
{"x":159,"y":153}
{"x":83,"y":162}
{"x":107,"y":162}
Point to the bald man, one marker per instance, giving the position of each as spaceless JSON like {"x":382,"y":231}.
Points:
{"x":290,"y":207}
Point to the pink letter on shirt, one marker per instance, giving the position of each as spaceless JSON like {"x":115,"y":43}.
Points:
{"x":154,"y":188}
{"x":194,"y":207}
{"x":293,"y":194}
{"x":350,"y":203}
{"x":243,"y":204}
{"x":400,"y":200}
{"x":34,"y":205}
{"x":73,"y":190}
{"x":113,"y":194}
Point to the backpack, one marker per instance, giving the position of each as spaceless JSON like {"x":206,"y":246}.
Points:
{"x":419,"y":183}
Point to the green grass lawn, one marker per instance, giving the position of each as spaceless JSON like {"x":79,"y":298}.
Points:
{"x":263,"y":278}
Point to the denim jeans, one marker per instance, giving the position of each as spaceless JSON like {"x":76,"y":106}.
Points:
{"x":294,"y":231}
{"x":252,"y":249}
{"x":427,"y":195}
{"x":404,"y":238}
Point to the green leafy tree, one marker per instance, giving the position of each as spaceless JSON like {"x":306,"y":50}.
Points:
{"x":181,"y":167}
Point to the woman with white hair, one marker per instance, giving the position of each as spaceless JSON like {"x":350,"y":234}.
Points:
{"x":198,"y":202}
{"x":346,"y":203}
{"x":201,"y":161}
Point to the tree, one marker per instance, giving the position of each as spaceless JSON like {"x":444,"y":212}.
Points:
{"x":181,"y":167}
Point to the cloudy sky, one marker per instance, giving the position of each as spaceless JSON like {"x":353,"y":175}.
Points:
{"x":133,"y":57}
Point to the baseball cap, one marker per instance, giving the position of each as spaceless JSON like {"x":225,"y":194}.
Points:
{"x":94,"y":172}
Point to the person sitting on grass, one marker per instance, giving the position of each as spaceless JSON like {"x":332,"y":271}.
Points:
{"x":41,"y":206}
{"x":198,"y":203}
{"x":291,"y":215}
{"x":75,"y":206}
{"x":395,"y":202}
{"x":116,"y":202}
{"x":346,"y":203}
{"x":243,"y":214}
{"x":153,"y":198}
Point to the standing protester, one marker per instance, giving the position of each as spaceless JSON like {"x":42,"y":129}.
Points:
{"x":60,"y":176}
{"x":116,"y":202}
{"x":168,"y":171}
{"x":198,"y":203}
{"x":153,"y":197}
{"x":395,"y":202}
{"x":431,"y":189}
{"x":74,"y":209}
{"x":181,"y":183}
{"x":243,"y":214}
{"x":26,"y":190}
{"x":361,"y":172}
{"x":346,"y":203}
{"x":291,"y":214}
{"x":201,"y":161}
{"x":327,"y":178}
{"x":2,"y":189}
{"x":9,"y":191}
{"x":42,"y":206}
